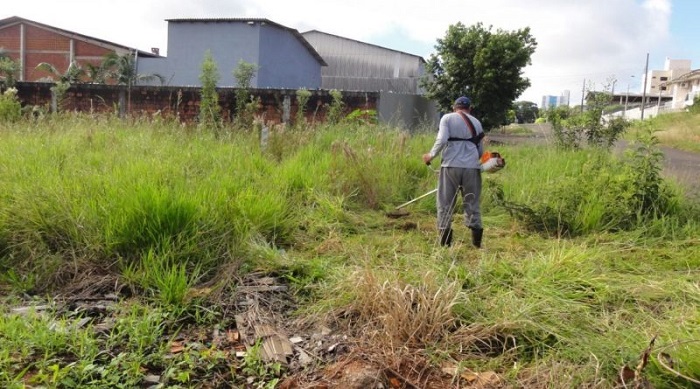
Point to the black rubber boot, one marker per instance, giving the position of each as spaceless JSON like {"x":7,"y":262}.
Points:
{"x":477,"y":234}
{"x":446,"y":237}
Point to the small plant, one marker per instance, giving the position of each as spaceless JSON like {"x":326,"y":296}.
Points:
{"x":254,"y":366}
{"x":695,"y":108}
{"x":303,"y":96}
{"x":209,"y":109}
{"x":363,"y":117}
{"x":10,"y":107}
{"x":335,"y":108}
{"x":245,"y":109}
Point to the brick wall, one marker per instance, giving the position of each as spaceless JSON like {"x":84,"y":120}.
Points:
{"x":183,"y":102}
{"x":44,"y":45}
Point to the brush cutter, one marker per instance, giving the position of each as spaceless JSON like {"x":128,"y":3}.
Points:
{"x":398,"y":212}
{"x":416,"y":199}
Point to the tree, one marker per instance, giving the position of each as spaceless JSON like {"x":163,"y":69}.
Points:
{"x":8,"y":70}
{"x":482,"y":64}
{"x":526,"y":111}
{"x":209,"y":104}
{"x":244,"y":73}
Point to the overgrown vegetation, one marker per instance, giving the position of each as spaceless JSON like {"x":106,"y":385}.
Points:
{"x":573,"y":129}
{"x":171,"y":220}
{"x":680,"y":130}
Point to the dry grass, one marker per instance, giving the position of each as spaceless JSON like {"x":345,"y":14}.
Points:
{"x":394,"y":312}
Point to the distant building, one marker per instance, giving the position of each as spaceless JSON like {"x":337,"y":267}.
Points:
{"x":550,"y":101}
{"x":359,"y":66}
{"x":685,"y":89}
{"x":30,"y":43}
{"x":657,"y":80}
{"x":285,"y":60}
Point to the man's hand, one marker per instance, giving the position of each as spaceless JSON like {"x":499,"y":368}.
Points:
{"x":427,"y":158}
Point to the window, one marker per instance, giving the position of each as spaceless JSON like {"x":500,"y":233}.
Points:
{"x":664,"y":78}
{"x":663,"y":88}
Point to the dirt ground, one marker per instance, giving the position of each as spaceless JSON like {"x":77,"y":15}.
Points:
{"x":682,"y":166}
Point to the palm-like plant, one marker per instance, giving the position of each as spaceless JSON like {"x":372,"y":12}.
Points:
{"x":63,"y":81}
{"x":124,"y":73}
{"x":72,"y":75}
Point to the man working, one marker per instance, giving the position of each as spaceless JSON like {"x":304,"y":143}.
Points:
{"x":459,"y":139}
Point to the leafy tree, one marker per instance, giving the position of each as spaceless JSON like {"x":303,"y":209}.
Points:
{"x":526,"y":111}
{"x":209,"y":108}
{"x":482,"y":64}
{"x":244,"y":73}
{"x":8,"y":70}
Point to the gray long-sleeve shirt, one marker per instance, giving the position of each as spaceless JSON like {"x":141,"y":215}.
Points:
{"x":464,"y":154}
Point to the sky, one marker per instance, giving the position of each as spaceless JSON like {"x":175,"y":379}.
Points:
{"x":580,"y":42}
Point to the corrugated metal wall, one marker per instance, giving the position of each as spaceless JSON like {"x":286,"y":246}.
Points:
{"x":413,"y":112}
{"x":358,"y":66}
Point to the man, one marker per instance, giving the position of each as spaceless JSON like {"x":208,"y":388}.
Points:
{"x":459,"y":140}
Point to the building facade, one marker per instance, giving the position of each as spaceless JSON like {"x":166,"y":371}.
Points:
{"x":685,"y":89}
{"x":550,"y":101}
{"x":30,"y":43}
{"x":657,"y":80}
{"x":360,"y":66}
{"x":284,"y":59}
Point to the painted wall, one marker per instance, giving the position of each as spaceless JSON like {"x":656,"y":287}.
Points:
{"x":283,"y":61}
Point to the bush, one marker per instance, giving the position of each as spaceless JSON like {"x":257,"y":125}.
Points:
{"x":603,"y":193}
{"x":10,"y":108}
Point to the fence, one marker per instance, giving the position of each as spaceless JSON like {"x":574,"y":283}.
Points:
{"x":276,"y":105}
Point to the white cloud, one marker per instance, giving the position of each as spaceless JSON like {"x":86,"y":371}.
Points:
{"x":577,"y":40}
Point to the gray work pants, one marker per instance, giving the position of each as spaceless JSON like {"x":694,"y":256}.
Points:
{"x":451,"y":181}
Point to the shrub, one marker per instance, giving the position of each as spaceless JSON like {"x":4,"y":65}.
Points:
{"x":335,"y":108}
{"x":303,"y":96}
{"x":10,"y":108}
{"x":603,"y":193}
{"x":209,"y":109}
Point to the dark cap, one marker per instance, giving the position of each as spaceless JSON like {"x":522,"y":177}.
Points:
{"x":463,"y":102}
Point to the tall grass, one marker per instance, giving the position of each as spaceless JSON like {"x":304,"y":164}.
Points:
{"x":167,"y":209}
{"x":680,"y":130}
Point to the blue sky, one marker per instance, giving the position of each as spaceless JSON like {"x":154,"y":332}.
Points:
{"x":592,"y":40}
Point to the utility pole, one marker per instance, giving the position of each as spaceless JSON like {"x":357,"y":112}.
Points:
{"x":583,"y":92}
{"x":644,"y":92}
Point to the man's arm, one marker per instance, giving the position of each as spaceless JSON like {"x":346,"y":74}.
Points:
{"x":440,"y":141}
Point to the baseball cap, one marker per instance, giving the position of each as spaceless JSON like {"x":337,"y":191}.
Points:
{"x":463,"y":101}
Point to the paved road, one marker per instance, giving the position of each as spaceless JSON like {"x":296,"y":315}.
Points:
{"x":683,"y":166}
